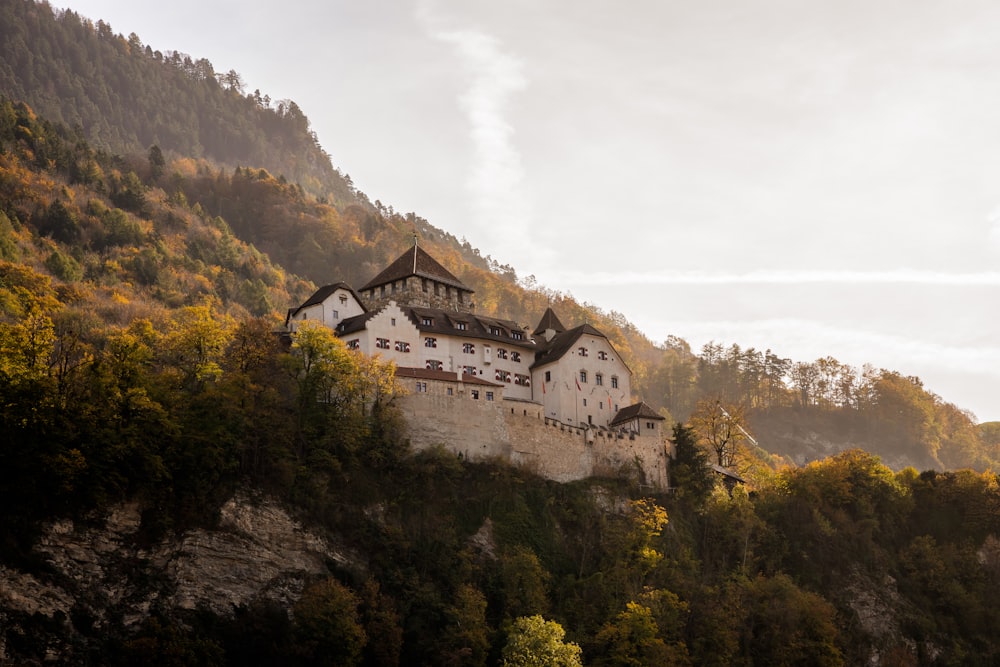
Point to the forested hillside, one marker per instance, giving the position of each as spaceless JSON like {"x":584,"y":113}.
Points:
{"x":138,"y":299}
{"x":126,"y":97}
{"x":253,"y":165}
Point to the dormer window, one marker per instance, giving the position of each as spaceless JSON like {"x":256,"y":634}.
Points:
{"x":582,"y":351}
{"x":427,"y":321}
{"x":516,"y":335}
{"x":496,"y":331}
{"x":461,"y":326}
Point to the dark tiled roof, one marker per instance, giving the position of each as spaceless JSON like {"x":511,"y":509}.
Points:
{"x":444,"y":322}
{"x":415,"y":262}
{"x":320,"y":295}
{"x":549,"y":321}
{"x":726,"y":472}
{"x":443,"y":376}
{"x":563,"y":342}
{"x":638,"y":410}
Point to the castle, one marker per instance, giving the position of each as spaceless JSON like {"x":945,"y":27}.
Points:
{"x":555,"y":400}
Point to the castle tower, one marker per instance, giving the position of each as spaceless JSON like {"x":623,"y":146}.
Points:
{"x":417,"y":279}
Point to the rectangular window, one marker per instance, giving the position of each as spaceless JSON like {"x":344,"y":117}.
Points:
{"x":582,"y":351}
{"x":614,"y":382}
{"x":502,"y":376}
{"x":382,"y":343}
{"x":515,"y":356}
{"x":402,"y":346}
{"x":522,"y":380}
{"x":468,"y":348}
{"x":584,"y":402}
{"x":421,"y":387}
{"x":516,"y":335}
{"x":649,"y":425}
{"x":489,"y":396}
{"x":430,"y":342}
{"x":433,"y":365}
{"x":336,"y":315}
{"x":602,"y":355}
{"x":461,"y":326}
{"x":598,"y":379}
{"x":427,"y":321}
{"x":343,"y":300}
{"x":475,"y":394}
{"x":451,"y":391}
{"x":354,"y":344}
{"x":423,"y":284}
{"x":548,"y":376}
{"x":583,"y":377}
{"x":501,"y":353}
{"x":496,"y":331}
{"x":469,"y":370}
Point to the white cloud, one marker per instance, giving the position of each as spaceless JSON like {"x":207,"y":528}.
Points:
{"x":790,"y":277}
{"x":496,"y":177}
{"x":994,"y":233}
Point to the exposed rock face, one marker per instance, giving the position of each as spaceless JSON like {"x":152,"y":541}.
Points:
{"x":258,"y":553}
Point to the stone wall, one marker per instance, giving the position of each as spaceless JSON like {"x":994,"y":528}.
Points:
{"x":518,"y":432}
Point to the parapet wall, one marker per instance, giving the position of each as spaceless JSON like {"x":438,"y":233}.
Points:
{"x":517,"y":431}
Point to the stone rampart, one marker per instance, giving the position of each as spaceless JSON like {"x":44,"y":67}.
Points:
{"x":517,"y":431}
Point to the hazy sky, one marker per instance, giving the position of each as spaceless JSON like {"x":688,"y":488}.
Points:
{"x":818,"y":178}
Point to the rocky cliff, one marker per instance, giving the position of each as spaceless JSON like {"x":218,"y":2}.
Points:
{"x":98,"y":575}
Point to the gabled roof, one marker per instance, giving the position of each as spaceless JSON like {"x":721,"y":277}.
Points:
{"x":563,"y":342}
{"x":638,"y":410}
{"x":321,"y":295}
{"x":549,"y":321}
{"x":415,"y":262}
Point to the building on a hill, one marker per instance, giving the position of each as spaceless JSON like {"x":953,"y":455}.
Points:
{"x":520,"y":389}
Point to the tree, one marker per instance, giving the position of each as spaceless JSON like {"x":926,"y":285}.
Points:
{"x":720,"y":428}
{"x":156,"y":162}
{"x":534,"y":642}
{"x":690,"y":475}
{"x":633,"y":640}
{"x":329,"y":629}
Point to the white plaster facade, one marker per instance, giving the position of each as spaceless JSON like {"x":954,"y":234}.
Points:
{"x":330,"y":305}
{"x":582,"y":380}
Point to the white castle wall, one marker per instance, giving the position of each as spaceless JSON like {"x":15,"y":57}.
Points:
{"x":518,"y":432}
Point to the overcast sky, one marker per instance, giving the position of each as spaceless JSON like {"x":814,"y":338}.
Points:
{"x":818,"y":178}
